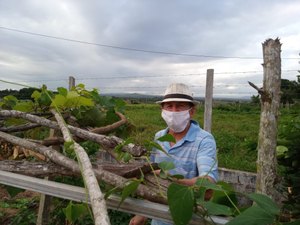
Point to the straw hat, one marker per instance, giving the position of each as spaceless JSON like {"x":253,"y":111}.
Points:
{"x":178,"y":92}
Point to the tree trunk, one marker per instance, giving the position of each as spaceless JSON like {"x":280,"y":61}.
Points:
{"x":270,"y":102}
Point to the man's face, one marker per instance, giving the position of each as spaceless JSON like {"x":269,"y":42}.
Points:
{"x":177,"y":106}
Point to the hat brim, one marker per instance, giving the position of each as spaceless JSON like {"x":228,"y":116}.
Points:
{"x":178,"y":100}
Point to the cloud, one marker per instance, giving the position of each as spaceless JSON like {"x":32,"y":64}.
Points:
{"x":223,"y":28}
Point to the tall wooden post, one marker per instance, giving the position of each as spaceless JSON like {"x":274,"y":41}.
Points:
{"x":71,"y":82}
{"x":270,"y":102}
{"x":45,"y":200}
{"x":208,"y":100}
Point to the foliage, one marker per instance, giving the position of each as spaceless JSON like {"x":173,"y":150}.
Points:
{"x":22,"y":94}
{"x":26,"y":211}
{"x":289,"y":160}
{"x":290,"y":91}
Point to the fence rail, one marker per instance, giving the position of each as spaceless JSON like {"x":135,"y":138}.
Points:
{"x":134,"y":206}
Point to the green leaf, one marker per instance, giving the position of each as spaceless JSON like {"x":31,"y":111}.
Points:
{"x":24,"y":106}
{"x":181,"y":203}
{"x":265,"y":203}
{"x":221,"y":198}
{"x":216,"y":209}
{"x":126,"y":157}
{"x":45,"y":99}
{"x":167,"y":137}
{"x":203,"y":182}
{"x":59,"y":101}
{"x":166,"y":166}
{"x":75,"y":211}
{"x":129,"y":189}
{"x":155,"y":145}
{"x":281,"y":150}
{"x":13,"y":191}
{"x":72,"y":94}
{"x":62,"y":91}
{"x":253,"y":216}
{"x":36,"y":95}
{"x":177,"y":176}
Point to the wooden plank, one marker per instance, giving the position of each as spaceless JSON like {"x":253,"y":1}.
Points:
{"x":74,"y":193}
{"x":208,"y":100}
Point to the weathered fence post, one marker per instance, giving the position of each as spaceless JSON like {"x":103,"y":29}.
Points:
{"x":208,"y":100}
{"x":46,"y":200}
{"x":71,"y":82}
{"x":270,"y":102}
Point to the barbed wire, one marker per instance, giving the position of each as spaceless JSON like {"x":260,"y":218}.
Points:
{"x":134,"y":49}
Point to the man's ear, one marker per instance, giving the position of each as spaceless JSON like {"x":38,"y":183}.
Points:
{"x":193,"y":111}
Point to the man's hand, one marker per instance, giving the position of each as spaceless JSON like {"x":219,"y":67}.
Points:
{"x":138,"y":220}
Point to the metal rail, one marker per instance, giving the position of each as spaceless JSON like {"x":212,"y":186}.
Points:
{"x":130,"y":205}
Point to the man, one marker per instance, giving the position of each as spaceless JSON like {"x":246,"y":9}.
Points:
{"x":194,"y":152}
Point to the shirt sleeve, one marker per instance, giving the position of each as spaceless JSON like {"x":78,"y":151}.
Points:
{"x":207,"y":162}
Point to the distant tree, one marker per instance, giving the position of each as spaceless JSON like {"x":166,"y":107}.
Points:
{"x":255,"y":99}
{"x":24,"y":93}
{"x":290,"y":91}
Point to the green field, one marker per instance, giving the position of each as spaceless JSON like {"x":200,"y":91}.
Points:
{"x":235,"y":127}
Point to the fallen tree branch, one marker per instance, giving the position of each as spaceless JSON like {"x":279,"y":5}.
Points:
{"x":96,"y":197}
{"x":151,"y":194}
{"x":111,"y":127}
{"x":36,"y":169}
{"x":42,"y":169}
{"x":107,"y":142}
{"x":22,"y":127}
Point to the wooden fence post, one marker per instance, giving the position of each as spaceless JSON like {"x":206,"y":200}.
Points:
{"x":45,"y":200}
{"x":71,"y":82}
{"x":208,"y":100}
{"x":270,"y":102}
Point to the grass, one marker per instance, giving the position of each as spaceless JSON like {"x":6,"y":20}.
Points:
{"x":234,"y":126}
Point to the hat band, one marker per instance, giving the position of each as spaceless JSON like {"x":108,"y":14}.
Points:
{"x":178,"y":96}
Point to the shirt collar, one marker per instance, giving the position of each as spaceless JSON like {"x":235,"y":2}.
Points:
{"x":191,"y":134}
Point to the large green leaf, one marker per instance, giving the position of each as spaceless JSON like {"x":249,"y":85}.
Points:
{"x":59,"y":101}
{"x":166,"y":166}
{"x":254,"y":215}
{"x":265,"y":203}
{"x":62,"y":91}
{"x":24,"y":106}
{"x":215,"y":209}
{"x":181,"y":203}
{"x":221,"y":198}
{"x":129,"y":189}
{"x":203,"y":182}
{"x":75,"y":211}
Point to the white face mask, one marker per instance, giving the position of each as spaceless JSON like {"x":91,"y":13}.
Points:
{"x":176,"y":121}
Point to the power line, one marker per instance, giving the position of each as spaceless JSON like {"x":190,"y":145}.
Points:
{"x":99,"y":77}
{"x":131,"y":49}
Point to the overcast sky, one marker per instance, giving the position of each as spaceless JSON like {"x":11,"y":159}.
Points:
{"x":113,"y":45}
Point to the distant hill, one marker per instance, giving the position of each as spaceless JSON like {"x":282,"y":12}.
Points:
{"x":154,"y":98}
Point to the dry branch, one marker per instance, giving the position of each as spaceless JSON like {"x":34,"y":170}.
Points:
{"x":42,"y":169}
{"x":143,"y":191}
{"x":22,"y":127}
{"x":96,"y":197}
{"x":107,"y":142}
{"x":111,"y":127}
{"x":36,"y":169}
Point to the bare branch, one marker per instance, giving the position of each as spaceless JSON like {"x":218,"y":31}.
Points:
{"x":259,"y":90}
{"x":22,"y":127}
{"x":107,"y":142}
{"x":143,"y":191}
{"x":109,"y":128}
{"x":96,"y":197}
